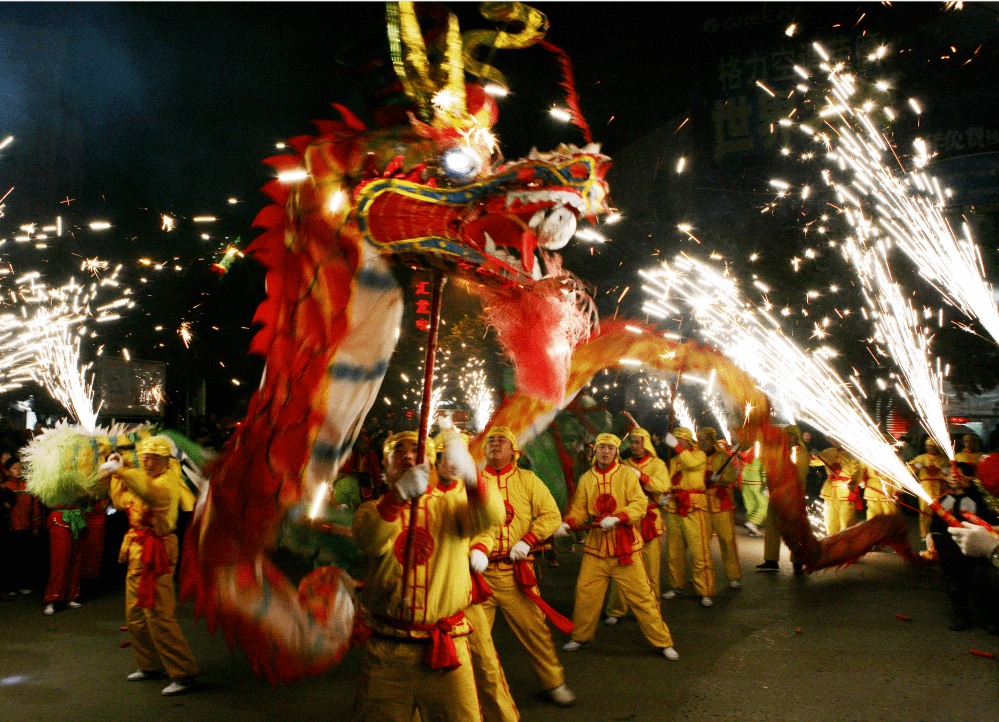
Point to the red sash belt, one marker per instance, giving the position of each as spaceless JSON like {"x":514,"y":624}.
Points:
{"x":523,"y":572}
{"x":441,"y":653}
{"x":649,"y":531}
{"x":480,"y":588}
{"x":155,"y":563}
{"x":624,"y":544}
{"x":722,"y":495}
{"x":683,"y":500}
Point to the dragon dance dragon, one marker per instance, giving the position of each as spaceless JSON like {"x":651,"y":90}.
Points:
{"x":430,"y":192}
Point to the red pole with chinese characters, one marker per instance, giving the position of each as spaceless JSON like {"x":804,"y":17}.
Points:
{"x":425,"y":420}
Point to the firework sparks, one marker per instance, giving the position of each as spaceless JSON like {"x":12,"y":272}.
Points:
{"x":900,"y":329}
{"x":753,"y":339}
{"x":94,"y":266}
{"x":185,"y":333}
{"x":906,"y":208}
{"x":478,"y":396}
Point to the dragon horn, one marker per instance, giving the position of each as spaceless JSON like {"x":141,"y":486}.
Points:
{"x":406,"y":46}
{"x":456,"y":67}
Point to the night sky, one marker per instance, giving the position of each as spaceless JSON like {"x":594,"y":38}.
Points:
{"x":132,"y":110}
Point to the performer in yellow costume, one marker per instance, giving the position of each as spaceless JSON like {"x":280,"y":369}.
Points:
{"x":654,"y":478}
{"x":418,"y":587}
{"x":495,"y":700}
{"x":718,"y":489}
{"x":801,"y":459}
{"x":150,"y":497}
{"x":688,"y":521}
{"x":532,"y":516}
{"x":842,"y":469}
{"x":610,"y":502}
{"x":931,"y":468}
{"x":971,"y":450}
{"x":879,"y":495}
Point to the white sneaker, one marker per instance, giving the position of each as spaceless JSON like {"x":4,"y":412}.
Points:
{"x":753,"y":529}
{"x":73,"y":605}
{"x":49,"y":610}
{"x":610,"y":622}
{"x":178,"y":687}
{"x":735,"y":584}
{"x":571,"y":646}
{"x":562,"y":696}
{"x":672,"y":594}
{"x":671,"y":654}
{"x":139,"y":676}
{"x":706,"y":602}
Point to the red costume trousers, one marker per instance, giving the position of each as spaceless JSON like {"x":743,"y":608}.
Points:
{"x":64,"y":562}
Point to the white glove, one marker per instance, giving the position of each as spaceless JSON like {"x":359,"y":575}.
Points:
{"x":715,"y":477}
{"x":519,"y":551}
{"x":671,"y":441}
{"x":111,"y":465}
{"x":609,"y":522}
{"x":478,"y":561}
{"x":917,"y":466}
{"x":563,"y":529}
{"x":665,"y":499}
{"x":413,"y":482}
{"x":974,"y":540}
{"x":456,"y":456}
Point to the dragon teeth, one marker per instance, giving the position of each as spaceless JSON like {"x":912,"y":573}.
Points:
{"x":557,"y":228}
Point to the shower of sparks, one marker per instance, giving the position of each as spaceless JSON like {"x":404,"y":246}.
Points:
{"x":753,"y":339}
{"x":905,"y":207}
{"x":53,"y":323}
{"x":94,"y":266}
{"x":59,"y":370}
{"x":169,"y":223}
{"x":721,"y":416}
{"x":661,"y":393}
{"x":185,"y":333}
{"x":478,"y":396}
{"x":900,"y":329}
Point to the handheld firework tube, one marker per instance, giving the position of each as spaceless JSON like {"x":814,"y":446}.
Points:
{"x":527,"y":416}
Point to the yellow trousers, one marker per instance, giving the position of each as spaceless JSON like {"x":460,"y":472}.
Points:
{"x":691,"y":532}
{"x":495,"y":700}
{"x":157,"y":642}
{"x":840,"y":514}
{"x":925,"y":519}
{"x":723,"y":524}
{"x":875,"y":507}
{"x":393,"y":683}
{"x":528,"y":623}
{"x":652,"y":561}
{"x":594,"y":574}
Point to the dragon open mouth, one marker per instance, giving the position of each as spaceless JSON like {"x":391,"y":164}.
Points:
{"x":495,"y":224}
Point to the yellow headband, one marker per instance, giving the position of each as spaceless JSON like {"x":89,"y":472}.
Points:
{"x":608,"y":439}
{"x":504,"y":431}
{"x":390,"y":443}
{"x":646,"y":440}
{"x":709,"y":431}
{"x":685,"y":434}
{"x":156,"y":445}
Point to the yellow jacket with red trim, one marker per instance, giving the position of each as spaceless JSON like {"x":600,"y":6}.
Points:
{"x":438,"y":583}
{"x":531,"y":513}
{"x":615,"y":491}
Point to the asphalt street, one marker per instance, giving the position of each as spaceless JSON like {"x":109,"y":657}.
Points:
{"x":826,"y":647}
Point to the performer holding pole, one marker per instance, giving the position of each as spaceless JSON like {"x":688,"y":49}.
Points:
{"x":531,"y":516}
{"x":417,"y":657}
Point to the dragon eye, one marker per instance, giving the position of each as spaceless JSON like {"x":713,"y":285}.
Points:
{"x":461,"y":163}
